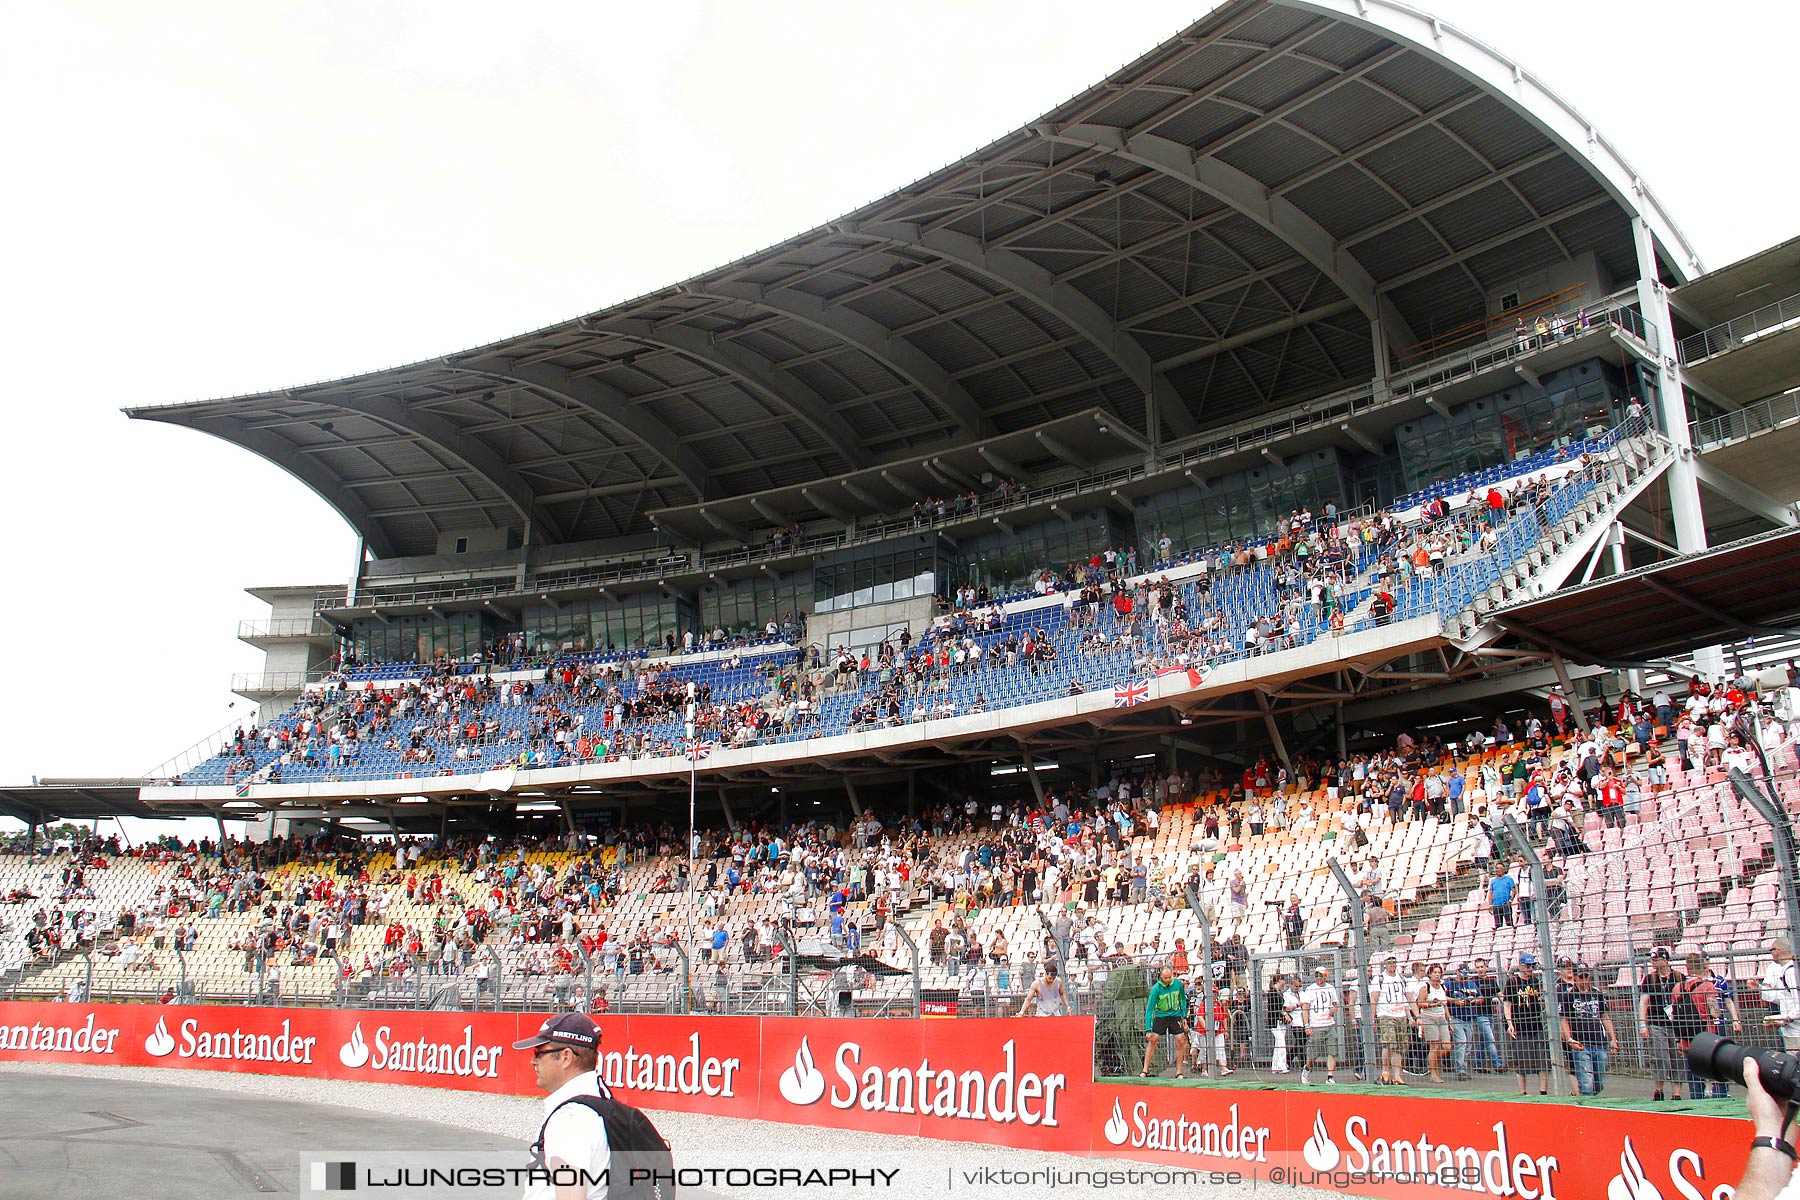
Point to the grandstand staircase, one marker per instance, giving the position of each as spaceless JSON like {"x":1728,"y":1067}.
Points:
{"x":1634,"y":466}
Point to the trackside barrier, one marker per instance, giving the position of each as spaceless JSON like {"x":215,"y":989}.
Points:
{"x":1022,"y":1083}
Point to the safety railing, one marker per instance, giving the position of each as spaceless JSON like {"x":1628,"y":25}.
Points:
{"x":1502,"y":350}
{"x":1771,"y":318}
{"x":306,"y":627}
{"x":1763,"y":415}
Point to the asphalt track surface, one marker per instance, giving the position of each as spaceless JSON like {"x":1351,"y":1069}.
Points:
{"x":90,"y":1132}
{"x":67,"y":1138}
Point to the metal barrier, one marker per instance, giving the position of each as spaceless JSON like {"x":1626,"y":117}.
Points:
{"x":1771,"y":318}
{"x":1755,"y":418}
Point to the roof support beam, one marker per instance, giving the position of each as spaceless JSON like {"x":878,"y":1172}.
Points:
{"x":754,"y":371}
{"x":1232,"y":186}
{"x":308,"y":470}
{"x":728,"y":528}
{"x":606,"y":402}
{"x":867,"y":497}
{"x":770,"y":513}
{"x":476,"y":455}
{"x":1000,"y":463}
{"x":829,"y":506}
{"x":1743,"y":495}
{"x":1712,"y":612}
{"x":1061,"y":451}
{"x":871,"y":337}
{"x":1070,"y":305}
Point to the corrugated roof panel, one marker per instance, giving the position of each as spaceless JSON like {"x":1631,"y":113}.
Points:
{"x":1555,"y":184}
{"x":1423,"y":164}
{"x":1344,"y":200}
{"x":1275,"y":81}
{"x":1399,"y":250}
{"x":1196,"y":69}
{"x":1344,"y":44}
{"x":1276,"y":24}
{"x":1127,"y":110}
{"x":1203,"y":123}
{"x":1420,"y":81}
{"x":1350,"y":115}
{"x":1274,"y":154}
{"x":1496,"y":132}
{"x":1474,"y":218}
{"x":951,"y":346}
{"x":1122,"y":288}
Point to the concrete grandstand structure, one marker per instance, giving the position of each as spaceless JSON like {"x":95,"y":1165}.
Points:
{"x":1261,"y":401}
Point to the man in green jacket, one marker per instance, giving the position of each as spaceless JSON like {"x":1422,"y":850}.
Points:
{"x":1166,"y":1012}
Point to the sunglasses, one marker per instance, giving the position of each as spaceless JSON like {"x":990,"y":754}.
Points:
{"x":543,"y":1050}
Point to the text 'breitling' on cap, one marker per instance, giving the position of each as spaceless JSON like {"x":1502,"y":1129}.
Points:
{"x":567,"y":1029}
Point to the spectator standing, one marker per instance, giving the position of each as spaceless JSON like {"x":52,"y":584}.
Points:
{"x":1522,"y":1002}
{"x":1656,"y":1023}
{"x":1320,"y":1000}
{"x":1587,"y":1031}
{"x":1779,"y":987}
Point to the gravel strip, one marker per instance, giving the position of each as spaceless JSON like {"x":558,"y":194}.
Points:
{"x":930,"y":1167}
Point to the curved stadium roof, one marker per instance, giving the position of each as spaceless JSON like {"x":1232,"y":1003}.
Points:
{"x":1227,"y":225}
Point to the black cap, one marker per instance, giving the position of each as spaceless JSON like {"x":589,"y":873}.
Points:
{"x":1660,"y":952}
{"x":1583,"y":969}
{"x":568,"y":1029}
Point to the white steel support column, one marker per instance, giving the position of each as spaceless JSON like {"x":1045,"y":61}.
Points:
{"x":356,"y":572}
{"x":1682,"y":477}
{"x":1684,"y":482}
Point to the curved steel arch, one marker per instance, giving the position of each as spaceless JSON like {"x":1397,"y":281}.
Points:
{"x":1025,"y":277}
{"x":1246,"y":195}
{"x":272,"y":449}
{"x":1527,"y":95}
{"x":437,"y":431}
{"x":758,"y":372}
{"x":604,"y":401}
{"x":871,"y":337}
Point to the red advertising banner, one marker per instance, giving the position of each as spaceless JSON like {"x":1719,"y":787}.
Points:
{"x":1024,"y":1083}
{"x":1417,"y":1147}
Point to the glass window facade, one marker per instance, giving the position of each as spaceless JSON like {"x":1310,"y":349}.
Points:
{"x":421,"y":639}
{"x":1244,"y":505}
{"x":1574,"y":403}
{"x":628,"y":623}
{"x":875,"y":578}
{"x":749,"y":605}
{"x":1008,"y":562}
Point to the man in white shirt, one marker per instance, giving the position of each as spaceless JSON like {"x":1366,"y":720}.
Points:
{"x":1321,"y":1002}
{"x":1392,"y":999}
{"x":564,"y":1053}
{"x":1780,"y":986}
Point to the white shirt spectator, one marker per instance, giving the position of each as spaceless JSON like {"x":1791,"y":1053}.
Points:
{"x":574,"y":1134}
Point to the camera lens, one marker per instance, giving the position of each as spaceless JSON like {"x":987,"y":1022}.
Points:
{"x":1715,"y":1057}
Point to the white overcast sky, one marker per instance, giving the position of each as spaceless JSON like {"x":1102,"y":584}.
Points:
{"x":208,"y":199}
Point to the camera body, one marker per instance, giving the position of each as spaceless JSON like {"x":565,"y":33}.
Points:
{"x":1720,"y":1058}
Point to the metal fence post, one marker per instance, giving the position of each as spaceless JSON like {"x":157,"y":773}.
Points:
{"x":1559,"y":1068}
{"x":587,"y":977}
{"x":1204,"y":1025}
{"x":686,"y":999}
{"x":339,"y":985}
{"x":791,"y":956}
{"x":1783,"y":830}
{"x":87,"y":989}
{"x":498,"y":980}
{"x":181,"y":986}
{"x":918,"y":984}
{"x":1359,"y":948}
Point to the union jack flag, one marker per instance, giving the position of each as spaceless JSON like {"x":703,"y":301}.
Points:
{"x":242,"y":789}
{"x":1127,"y":695}
{"x":698,"y":751}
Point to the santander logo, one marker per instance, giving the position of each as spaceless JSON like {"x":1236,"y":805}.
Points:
{"x":1320,"y":1152}
{"x":355,"y":1052}
{"x":159,"y":1044}
{"x":1631,"y":1183}
{"x":1117,"y":1131}
{"x":803,"y":1083}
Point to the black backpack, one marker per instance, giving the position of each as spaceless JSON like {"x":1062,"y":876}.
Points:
{"x":1688,"y":1018}
{"x":642,"y":1166}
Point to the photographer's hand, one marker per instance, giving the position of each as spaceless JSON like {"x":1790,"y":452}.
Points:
{"x":1769,"y":1115}
{"x":1768,"y":1171}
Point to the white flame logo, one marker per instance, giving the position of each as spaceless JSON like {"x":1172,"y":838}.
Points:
{"x":355,"y":1052}
{"x":1320,"y":1152}
{"x":1116,"y":1129}
{"x":159,"y":1043}
{"x":1631,"y":1183}
{"x":802,"y":1083}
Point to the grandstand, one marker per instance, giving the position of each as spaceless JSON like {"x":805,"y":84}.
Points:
{"x":1318,"y":391}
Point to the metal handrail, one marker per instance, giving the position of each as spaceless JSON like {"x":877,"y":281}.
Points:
{"x":287,"y":628}
{"x":1752,"y":418}
{"x":1498,"y":351}
{"x":1784,"y":313}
